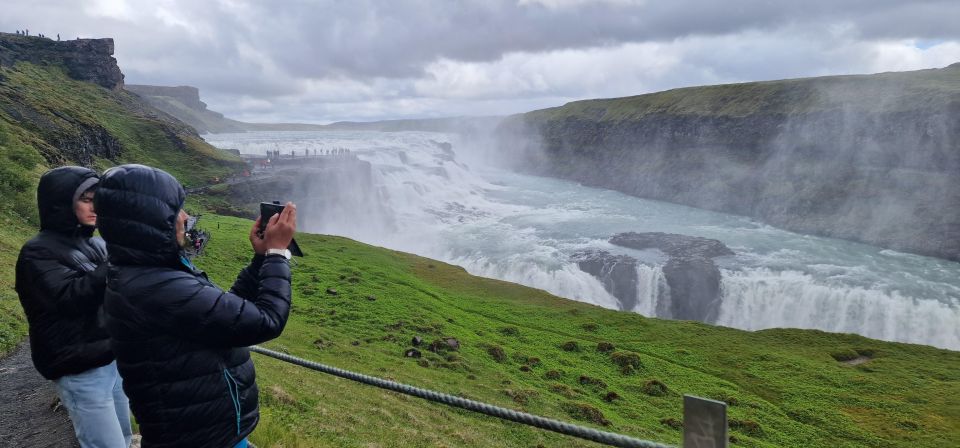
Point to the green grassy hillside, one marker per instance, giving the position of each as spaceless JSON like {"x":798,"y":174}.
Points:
{"x":525,"y":349}
{"x":48,"y":119}
{"x":903,"y":91}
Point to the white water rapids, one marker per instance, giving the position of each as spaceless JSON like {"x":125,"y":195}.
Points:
{"x":429,"y":201}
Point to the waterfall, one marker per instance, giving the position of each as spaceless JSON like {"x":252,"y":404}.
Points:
{"x":410,"y":192}
{"x":758,"y":298}
{"x":567,"y":280}
{"x":653,"y":294}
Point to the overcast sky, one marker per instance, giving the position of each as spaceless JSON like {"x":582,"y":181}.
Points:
{"x":322,"y":61}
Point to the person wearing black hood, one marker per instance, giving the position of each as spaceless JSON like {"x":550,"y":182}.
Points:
{"x":60,"y":278}
{"x":180,"y":340}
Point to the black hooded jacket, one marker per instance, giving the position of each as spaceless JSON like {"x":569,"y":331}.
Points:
{"x":60,"y":278}
{"x":179,"y":339}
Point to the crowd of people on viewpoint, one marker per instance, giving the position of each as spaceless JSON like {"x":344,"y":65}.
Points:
{"x":40,"y":35}
{"x":275,"y":154}
{"x":125,"y":322}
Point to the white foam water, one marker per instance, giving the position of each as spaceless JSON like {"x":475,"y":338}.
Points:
{"x":653,"y":294}
{"x":424,"y":199}
{"x":755,"y":299}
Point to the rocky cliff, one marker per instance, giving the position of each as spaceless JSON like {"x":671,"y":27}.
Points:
{"x":63,"y":103}
{"x":183,"y":102}
{"x":82,"y":59}
{"x":871,"y":158}
{"x":187,"y":95}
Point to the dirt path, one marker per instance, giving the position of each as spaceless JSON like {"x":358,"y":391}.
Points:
{"x":27,"y":415}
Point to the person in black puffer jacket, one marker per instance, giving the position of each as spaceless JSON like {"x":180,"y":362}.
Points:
{"x":180,"y":340}
{"x":60,"y":279}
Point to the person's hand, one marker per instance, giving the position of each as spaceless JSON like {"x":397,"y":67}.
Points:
{"x":258,"y":243}
{"x":280,"y":228}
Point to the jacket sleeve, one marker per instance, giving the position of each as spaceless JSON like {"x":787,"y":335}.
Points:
{"x":70,"y":291}
{"x":188,"y":308}
{"x":248,"y":281}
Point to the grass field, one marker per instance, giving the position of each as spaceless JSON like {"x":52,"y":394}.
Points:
{"x":525,"y":349}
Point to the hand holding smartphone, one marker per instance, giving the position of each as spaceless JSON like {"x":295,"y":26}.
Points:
{"x":267,"y":211}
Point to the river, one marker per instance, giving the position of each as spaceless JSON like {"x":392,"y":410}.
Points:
{"x":446,"y":204}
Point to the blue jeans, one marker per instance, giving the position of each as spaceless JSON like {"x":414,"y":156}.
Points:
{"x":98,"y":407}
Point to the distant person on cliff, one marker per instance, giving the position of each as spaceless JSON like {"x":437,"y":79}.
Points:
{"x":180,"y":340}
{"x":60,"y":278}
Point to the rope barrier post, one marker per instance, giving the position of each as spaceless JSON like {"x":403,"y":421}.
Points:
{"x":704,"y":423}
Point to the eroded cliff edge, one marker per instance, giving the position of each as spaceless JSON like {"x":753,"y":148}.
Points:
{"x":870,"y":158}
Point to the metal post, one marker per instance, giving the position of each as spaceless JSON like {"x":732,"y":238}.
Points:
{"x":704,"y":423}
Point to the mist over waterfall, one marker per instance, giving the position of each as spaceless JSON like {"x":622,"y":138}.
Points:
{"x":429,"y":194}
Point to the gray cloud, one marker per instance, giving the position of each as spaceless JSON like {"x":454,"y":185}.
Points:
{"x":424,"y":58}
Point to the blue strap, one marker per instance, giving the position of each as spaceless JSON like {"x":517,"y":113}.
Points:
{"x":234,"y":390}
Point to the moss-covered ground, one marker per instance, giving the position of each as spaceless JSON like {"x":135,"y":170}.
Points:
{"x":358,"y":307}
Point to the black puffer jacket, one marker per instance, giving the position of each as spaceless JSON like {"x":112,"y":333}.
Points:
{"x":61,"y":274}
{"x":180,"y":340}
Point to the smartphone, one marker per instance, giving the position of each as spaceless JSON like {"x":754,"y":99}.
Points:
{"x":267,"y":210}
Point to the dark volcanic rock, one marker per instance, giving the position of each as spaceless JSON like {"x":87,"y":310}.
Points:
{"x":87,"y":142}
{"x":84,"y":59}
{"x":691,"y":274}
{"x":187,"y":95}
{"x":672,"y":244}
{"x":183,"y":102}
{"x":694,"y":288}
{"x":618,"y":273}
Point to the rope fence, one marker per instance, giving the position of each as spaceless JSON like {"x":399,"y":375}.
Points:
{"x":582,"y":432}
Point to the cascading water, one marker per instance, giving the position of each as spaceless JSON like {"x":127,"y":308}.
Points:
{"x":421,"y":197}
{"x":653,"y":293}
{"x":754,"y":299}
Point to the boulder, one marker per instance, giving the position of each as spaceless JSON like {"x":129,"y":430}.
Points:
{"x":672,"y":244}
{"x":690,"y":273}
{"x":694,"y":288}
{"x":618,"y":273}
